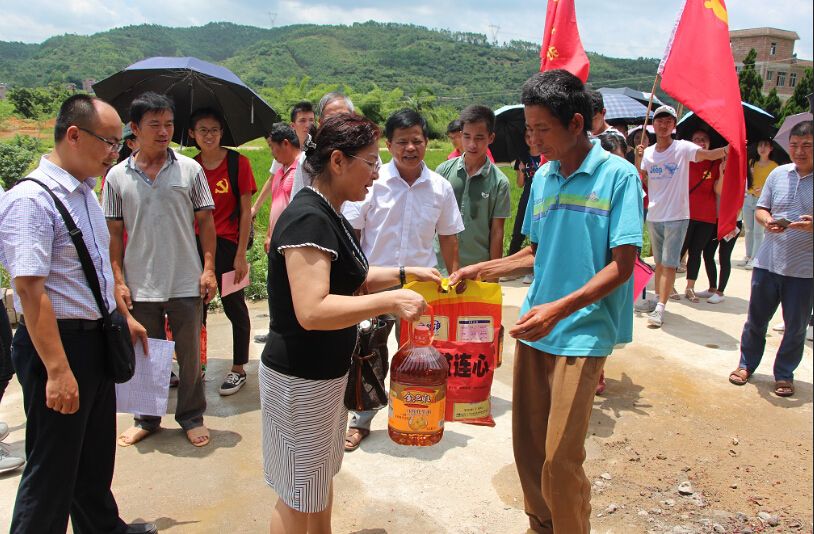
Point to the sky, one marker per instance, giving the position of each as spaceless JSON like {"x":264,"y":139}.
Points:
{"x":626,"y":28}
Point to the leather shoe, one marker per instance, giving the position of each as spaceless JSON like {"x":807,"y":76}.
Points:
{"x":141,"y":528}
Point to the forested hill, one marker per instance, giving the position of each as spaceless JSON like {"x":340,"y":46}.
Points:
{"x":452,"y":65}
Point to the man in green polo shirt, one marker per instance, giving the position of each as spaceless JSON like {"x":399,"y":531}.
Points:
{"x":481,"y":189}
{"x":584,"y":221}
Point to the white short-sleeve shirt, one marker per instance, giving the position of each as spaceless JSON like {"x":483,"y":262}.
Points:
{"x":399,"y":222}
{"x":668,"y":178}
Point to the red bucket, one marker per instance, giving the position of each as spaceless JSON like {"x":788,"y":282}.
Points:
{"x":642,"y":273}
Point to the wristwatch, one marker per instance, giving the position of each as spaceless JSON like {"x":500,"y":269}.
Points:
{"x":402,"y":275}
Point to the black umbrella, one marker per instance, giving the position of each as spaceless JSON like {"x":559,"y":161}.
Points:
{"x":759,"y":125}
{"x":639,"y":96}
{"x":510,"y":134}
{"x":192,"y":84}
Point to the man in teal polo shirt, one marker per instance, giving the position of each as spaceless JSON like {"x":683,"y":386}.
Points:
{"x":584,"y":221}
{"x":481,"y":189}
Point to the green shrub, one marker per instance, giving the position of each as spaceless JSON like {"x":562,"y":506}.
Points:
{"x":14,"y":162}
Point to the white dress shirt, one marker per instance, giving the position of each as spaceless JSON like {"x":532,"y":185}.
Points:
{"x":399,"y":221}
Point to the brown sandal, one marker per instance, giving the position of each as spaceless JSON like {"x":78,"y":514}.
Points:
{"x":739,"y":376}
{"x":784,"y":388}
{"x":354,"y":437}
{"x":691,"y":296}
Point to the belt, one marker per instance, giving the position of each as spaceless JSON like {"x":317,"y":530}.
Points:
{"x":74,"y":325}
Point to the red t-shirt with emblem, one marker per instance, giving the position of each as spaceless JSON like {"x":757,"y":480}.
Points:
{"x":703,"y":202}
{"x":226,"y":225}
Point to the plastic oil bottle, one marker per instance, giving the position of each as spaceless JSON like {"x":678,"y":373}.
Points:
{"x":418,"y":391}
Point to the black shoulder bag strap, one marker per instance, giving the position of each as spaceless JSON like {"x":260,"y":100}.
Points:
{"x":81,"y":249}
{"x":233,"y":168}
{"x":701,"y":181}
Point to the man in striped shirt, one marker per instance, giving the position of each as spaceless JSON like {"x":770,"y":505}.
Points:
{"x":158,"y":196}
{"x":784,"y":265}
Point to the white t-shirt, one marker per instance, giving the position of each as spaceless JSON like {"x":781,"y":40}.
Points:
{"x":399,"y":222}
{"x":668,"y":179}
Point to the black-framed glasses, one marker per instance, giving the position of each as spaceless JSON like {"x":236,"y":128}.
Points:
{"x":374,"y":165}
{"x":111,"y":145}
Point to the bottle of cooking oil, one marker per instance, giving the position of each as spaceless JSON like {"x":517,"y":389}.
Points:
{"x":418,"y":391}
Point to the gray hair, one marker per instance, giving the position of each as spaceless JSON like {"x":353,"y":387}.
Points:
{"x":330,"y":97}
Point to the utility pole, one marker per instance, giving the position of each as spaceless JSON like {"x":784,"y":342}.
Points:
{"x":272,"y":18}
{"x":495,"y":29}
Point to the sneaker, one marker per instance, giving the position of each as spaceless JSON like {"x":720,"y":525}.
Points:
{"x":779,"y":327}
{"x":9,"y":462}
{"x":174,"y":380}
{"x":3,"y":431}
{"x":716,"y":298}
{"x":656,"y":318}
{"x":705,"y":294}
{"x":644,"y":305}
{"x":744,"y":261}
{"x":528,"y":279}
{"x":232,"y":383}
{"x":261,"y":338}
{"x":810,"y":333}
{"x":749,"y":265}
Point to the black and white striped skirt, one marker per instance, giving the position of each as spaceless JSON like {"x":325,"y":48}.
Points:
{"x":303,"y":436}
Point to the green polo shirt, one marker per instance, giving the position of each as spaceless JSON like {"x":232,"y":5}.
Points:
{"x":481,"y":198}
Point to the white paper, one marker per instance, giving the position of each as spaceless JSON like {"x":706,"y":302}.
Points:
{"x":146,"y":393}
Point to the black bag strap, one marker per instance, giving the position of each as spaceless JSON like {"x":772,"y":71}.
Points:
{"x":701,"y":181}
{"x":233,"y":168}
{"x":81,"y":249}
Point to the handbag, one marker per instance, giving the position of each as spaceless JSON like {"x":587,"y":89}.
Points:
{"x":369,"y":366}
{"x":120,"y":364}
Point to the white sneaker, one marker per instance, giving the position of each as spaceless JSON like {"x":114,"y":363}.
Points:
{"x":779,"y":327}
{"x":644,"y":305}
{"x":716,"y":298}
{"x":749,"y":265}
{"x":528,"y":279}
{"x":744,"y":261}
{"x":9,"y":462}
{"x":656,"y":318}
{"x":705,"y":294}
{"x":3,"y":430}
{"x":810,"y":333}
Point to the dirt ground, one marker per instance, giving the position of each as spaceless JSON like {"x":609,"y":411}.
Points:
{"x":668,"y":417}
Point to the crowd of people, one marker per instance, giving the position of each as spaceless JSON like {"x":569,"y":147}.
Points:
{"x":345,"y":234}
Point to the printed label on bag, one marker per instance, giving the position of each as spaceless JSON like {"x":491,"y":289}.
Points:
{"x":417,"y":409}
{"x":440,"y":329}
{"x":471,"y":410}
{"x":479,"y":329}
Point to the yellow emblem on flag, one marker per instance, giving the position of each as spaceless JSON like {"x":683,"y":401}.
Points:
{"x":552,"y":53}
{"x":718,"y":9}
{"x":222,"y":186}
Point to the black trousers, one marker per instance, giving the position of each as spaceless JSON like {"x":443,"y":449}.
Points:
{"x":234,"y":305}
{"x":70,"y":458}
{"x":699,"y":235}
{"x":6,"y":369}
{"x":517,"y":232}
{"x":725,"y":249}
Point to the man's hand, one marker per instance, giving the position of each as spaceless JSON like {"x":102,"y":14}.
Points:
{"x":803,"y":224}
{"x":241,"y":267}
{"x":459,"y":277}
{"x":124,"y":293}
{"x":62,"y":392}
{"x":538,"y":322}
{"x":773,"y":228}
{"x":423,"y":274}
{"x":209,"y":285}
{"x":138,"y":333}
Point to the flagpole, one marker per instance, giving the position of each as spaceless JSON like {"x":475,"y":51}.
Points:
{"x":649,"y":107}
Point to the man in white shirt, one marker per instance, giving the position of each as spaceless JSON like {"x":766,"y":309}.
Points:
{"x":398,"y":220}
{"x":666,"y":167}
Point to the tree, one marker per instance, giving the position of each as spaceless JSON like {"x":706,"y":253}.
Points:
{"x":37,"y":103}
{"x":772,"y":103}
{"x":15,"y":157}
{"x":798,"y":102}
{"x":750,"y":81}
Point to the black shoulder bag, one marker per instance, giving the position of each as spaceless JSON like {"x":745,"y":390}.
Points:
{"x":120,"y":363}
{"x":233,"y":168}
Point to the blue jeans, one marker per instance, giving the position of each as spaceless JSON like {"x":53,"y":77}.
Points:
{"x":768,"y":291}
{"x":753,"y":229}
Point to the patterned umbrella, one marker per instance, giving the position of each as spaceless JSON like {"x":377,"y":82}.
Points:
{"x":192,"y":84}
{"x":619,"y":107}
{"x":639,"y":96}
{"x":782,"y":136}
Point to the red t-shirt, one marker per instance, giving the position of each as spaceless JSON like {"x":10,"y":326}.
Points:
{"x":703,"y":202}
{"x":226,"y":225}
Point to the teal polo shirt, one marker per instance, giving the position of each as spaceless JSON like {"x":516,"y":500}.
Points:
{"x":575,"y":222}
{"x":481,"y":198}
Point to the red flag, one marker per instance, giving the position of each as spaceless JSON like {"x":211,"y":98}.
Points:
{"x":698,"y":70}
{"x":562,"y":48}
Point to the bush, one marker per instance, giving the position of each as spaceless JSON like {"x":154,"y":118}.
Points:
{"x":14,"y":162}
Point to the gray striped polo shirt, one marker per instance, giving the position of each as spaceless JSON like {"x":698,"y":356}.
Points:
{"x":787,"y":195}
